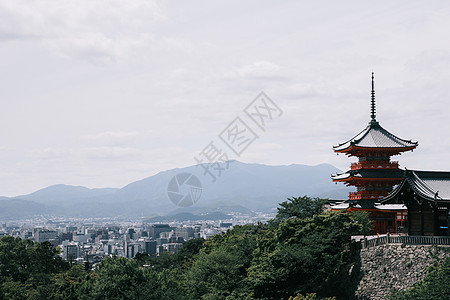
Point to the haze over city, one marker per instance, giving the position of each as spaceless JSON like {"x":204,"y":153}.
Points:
{"x":103,"y":93}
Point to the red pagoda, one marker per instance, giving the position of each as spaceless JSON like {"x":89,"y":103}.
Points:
{"x":374,"y":175}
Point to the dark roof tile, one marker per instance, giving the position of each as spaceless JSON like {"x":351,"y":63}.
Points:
{"x":430,"y":185}
{"x":370,"y":173}
{"x":375,"y":136}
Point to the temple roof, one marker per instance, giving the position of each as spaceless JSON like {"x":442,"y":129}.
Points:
{"x":375,"y":136}
{"x":368,"y":204}
{"x":430,"y":185}
{"x":369,"y":173}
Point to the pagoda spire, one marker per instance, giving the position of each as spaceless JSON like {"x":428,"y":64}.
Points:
{"x":373,"y":115}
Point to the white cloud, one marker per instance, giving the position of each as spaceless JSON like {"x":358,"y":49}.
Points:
{"x":96,"y":31}
{"x":258,"y":69}
{"x":111,"y":153}
{"x":47,"y":153}
{"x":110,"y":138}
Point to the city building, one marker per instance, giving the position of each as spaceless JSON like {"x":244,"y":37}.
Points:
{"x":43,"y":235}
{"x":90,"y":240}
{"x":157,"y":229}
{"x":71,"y":250}
{"x":131,"y":249}
{"x":149,"y":246}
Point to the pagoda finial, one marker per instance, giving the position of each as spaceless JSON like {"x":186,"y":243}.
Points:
{"x":373,"y":115}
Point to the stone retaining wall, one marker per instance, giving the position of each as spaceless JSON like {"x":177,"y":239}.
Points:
{"x":395,"y":266}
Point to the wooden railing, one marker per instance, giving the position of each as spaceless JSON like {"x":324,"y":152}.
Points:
{"x":404,"y":239}
{"x":367,"y":195}
{"x":374,"y":165}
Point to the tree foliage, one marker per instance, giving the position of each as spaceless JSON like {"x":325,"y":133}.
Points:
{"x":305,"y":255}
{"x":27,"y":268}
{"x":300,"y":207}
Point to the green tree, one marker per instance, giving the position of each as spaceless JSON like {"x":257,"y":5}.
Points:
{"x":305,"y":255}
{"x":67,"y":284}
{"x":362,"y":217}
{"x":116,"y":278}
{"x":180,"y":259}
{"x":170,"y":284}
{"x":215,"y":275}
{"x":190,"y":249}
{"x":300,"y":207}
{"x":27,"y":268}
{"x":220,"y":269}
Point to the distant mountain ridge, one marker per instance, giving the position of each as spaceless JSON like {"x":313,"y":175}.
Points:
{"x":54,"y":193}
{"x":240,"y":187}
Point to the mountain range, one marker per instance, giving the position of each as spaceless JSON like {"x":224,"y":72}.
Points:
{"x":241,"y":187}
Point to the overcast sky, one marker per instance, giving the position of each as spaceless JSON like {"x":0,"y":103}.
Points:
{"x":103,"y":93}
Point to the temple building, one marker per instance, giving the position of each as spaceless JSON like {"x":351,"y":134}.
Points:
{"x":374,"y":174}
{"x":426,"y":194}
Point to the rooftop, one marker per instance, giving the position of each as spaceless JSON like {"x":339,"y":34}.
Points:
{"x":368,"y":204}
{"x":375,"y":136}
{"x":369,"y":173}
{"x":430,"y":185}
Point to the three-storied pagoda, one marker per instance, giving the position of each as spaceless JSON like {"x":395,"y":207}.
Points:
{"x":374,"y":175}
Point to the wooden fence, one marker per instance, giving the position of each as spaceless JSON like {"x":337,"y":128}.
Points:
{"x":404,"y":239}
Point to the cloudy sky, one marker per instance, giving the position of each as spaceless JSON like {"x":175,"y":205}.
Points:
{"x":103,"y":93}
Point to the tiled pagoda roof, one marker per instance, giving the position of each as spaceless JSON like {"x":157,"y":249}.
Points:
{"x":430,"y":185}
{"x":369,"y":173}
{"x":375,"y":136}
